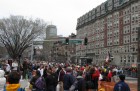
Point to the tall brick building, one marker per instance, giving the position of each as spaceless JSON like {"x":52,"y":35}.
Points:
{"x":110,"y":28}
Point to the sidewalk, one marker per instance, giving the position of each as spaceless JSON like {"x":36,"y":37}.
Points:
{"x":131,"y":80}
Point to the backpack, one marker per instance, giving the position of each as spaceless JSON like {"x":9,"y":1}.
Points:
{"x":73,"y":86}
{"x":40,"y":83}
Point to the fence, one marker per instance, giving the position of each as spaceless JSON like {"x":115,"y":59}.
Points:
{"x":130,"y":73}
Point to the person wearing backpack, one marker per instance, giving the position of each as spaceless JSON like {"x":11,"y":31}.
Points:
{"x":68,"y":79}
{"x":13,"y":80}
{"x":121,"y":85}
{"x":81,"y":83}
{"x":37,"y":82}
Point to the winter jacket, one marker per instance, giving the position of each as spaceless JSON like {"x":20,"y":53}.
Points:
{"x":81,"y":84}
{"x":13,"y":87}
{"x":68,"y":81}
{"x":96,"y":74}
{"x":50,"y":82}
{"x":33,"y":80}
{"x":121,"y":86}
{"x":2,"y":80}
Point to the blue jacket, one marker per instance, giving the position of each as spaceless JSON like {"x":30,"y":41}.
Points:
{"x":121,"y":86}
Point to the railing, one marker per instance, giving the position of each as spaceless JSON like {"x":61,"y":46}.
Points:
{"x":130,"y":73}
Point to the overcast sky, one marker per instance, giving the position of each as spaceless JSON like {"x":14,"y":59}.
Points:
{"x":62,"y":13}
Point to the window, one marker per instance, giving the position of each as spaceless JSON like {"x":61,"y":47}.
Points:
{"x":128,"y":41}
{"x":133,"y":39}
{"x":124,"y":60}
{"x":136,"y":39}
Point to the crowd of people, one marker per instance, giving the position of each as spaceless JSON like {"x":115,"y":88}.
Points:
{"x":45,"y":76}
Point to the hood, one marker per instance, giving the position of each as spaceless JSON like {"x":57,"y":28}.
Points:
{"x":12,"y":87}
{"x":2,"y":73}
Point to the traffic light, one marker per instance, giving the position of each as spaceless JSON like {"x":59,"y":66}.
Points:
{"x":85,"y":41}
{"x":67,"y":41}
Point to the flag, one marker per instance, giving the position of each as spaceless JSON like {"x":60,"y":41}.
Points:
{"x":108,"y":57}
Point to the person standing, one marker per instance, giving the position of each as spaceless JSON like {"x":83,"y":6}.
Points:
{"x":34,"y":79}
{"x":89,"y":79}
{"x":114,"y":77}
{"x":13,"y":80}
{"x":8,"y":68}
{"x":2,"y":80}
{"x":25,"y":67}
{"x":50,"y":80}
{"x":109,"y":76}
{"x":121,"y":85}
{"x":81,"y":84}
{"x":69,"y":79}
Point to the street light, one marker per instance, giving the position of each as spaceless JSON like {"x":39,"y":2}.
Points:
{"x":138,"y":59}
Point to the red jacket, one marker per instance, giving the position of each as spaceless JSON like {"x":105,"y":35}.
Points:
{"x":96,"y":74}
{"x":109,"y":75}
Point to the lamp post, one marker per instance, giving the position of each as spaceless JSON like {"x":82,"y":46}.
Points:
{"x":138,"y":59}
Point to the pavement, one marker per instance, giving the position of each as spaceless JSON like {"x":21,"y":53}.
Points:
{"x":131,"y":80}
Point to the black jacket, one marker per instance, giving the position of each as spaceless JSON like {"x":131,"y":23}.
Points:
{"x":68,"y":81}
{"x":81,"y":84}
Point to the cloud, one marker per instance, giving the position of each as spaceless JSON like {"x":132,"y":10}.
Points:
{"x":62,"y":13}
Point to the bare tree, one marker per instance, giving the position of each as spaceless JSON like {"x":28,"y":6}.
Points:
{"x":17,"y":33}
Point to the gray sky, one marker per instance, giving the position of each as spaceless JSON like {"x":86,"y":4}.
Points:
{"x":62,"y":13}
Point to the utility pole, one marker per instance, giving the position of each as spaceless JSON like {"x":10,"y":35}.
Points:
{"x":138,"y":59}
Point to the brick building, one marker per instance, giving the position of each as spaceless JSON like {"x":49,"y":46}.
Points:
{"x":62,"y":52}
{"x":110,"y":28}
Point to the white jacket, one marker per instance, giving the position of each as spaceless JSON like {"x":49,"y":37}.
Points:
{"x":2,"y":80}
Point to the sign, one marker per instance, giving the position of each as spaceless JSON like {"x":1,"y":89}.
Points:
{"x":75,"y":41}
